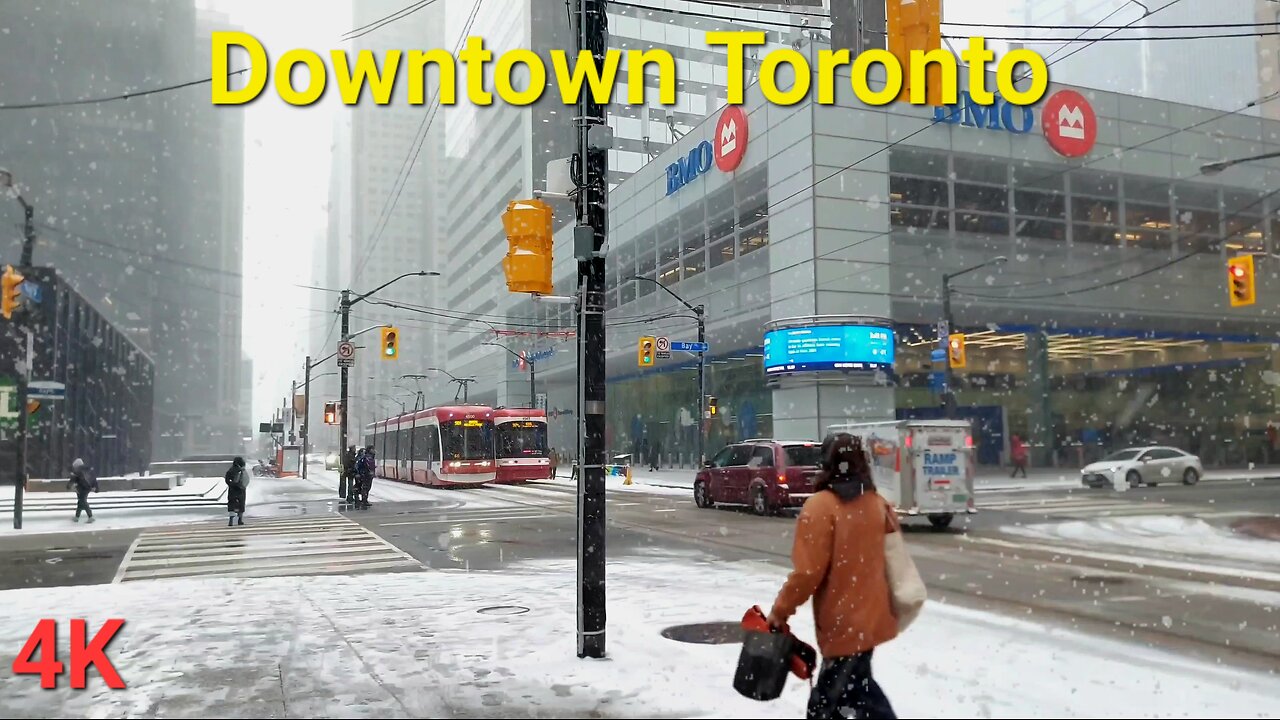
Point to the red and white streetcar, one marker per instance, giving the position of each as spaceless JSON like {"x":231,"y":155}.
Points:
{"x":520,"y":445}
{"x":440,"y":447}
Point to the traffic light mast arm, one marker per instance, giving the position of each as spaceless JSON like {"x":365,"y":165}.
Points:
{"x":698,"y":309}
{"x":333,"y":354}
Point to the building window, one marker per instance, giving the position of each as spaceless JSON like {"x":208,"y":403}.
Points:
{"x":722,"y":252}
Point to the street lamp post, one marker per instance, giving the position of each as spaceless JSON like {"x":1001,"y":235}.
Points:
{"x":306,"y":409}
{"x":533,"y":398}
{"x":948,"y":392}
{"x":700,"y":312}
{"x":344,"y":309}
{"x":1214,"y":168}
{"x":25,"y":341}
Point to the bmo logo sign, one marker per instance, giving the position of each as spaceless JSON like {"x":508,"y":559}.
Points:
{"x":1066,"y":119}
{"x":1069,"y":125}
{"x":726,"y":152}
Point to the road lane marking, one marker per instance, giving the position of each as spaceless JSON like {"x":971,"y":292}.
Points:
{"x":485,"y":519}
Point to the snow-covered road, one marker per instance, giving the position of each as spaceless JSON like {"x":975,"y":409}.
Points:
{"x":401,"y":645}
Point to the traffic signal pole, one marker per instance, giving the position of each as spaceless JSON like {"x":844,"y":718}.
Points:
{"x":592,"y":217}
{"x":25,"y":342}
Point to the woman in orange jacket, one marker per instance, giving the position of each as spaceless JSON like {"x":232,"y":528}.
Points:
{"x":839,"y":559}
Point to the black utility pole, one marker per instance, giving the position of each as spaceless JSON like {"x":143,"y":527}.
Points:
{"x":700,"y":314}
{"x":594,"y":140}
{"x":344,"y":309}
{"x":306,"y":414}
{"x":22,"y":329}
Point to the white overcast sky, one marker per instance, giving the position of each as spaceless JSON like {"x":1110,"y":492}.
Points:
{"x":286,"y":188}
{"x":287,"y":155}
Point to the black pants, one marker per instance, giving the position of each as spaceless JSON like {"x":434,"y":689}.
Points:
{"x":1019,"y":466}
{"x":845,"y":689}
{"x":82,"y":503}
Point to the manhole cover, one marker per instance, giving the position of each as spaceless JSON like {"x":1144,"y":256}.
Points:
{"x":716,"y":633}
{"x":503,"y":610}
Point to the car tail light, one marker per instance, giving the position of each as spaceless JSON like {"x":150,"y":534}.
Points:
{"x":782,"y":479}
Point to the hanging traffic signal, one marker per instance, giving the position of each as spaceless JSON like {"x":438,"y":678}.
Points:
{"x":331,"y":413}
{"x":915,"y":25}
{"x":955,"y":350}
{"x":644,"y":353}
{"x":390,"y":343}
{"x":712,"y":407}
{"x":1240,"y":280}
{"x":10,"y":291}
{"x":527,"y":265}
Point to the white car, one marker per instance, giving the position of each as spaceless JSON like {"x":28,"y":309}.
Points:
{"x":1143,"y":466}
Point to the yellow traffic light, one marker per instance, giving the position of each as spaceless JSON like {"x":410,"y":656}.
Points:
{"x":916,"y":25}
{"x":527,"y":264}
{"x":10,"y":291}
{"x":644,"y":353}
{"x":390,"y":343}
{"x":955,"y":350}
{"x":712,"y":407}
{"x":1240,"y":280}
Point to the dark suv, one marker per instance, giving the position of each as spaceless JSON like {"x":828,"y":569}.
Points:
{"x":765,"y":474}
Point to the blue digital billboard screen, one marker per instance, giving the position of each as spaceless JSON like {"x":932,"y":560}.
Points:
{"x":825,"y":348}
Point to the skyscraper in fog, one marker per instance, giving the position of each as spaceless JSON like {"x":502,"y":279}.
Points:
{"x":138,"y":202}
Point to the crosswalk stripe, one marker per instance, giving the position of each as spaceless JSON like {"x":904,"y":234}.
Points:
{"x":308,"y":545}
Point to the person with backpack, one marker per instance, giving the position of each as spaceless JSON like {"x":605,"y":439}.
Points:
{"x":82,"y":482}
{"x":237,"y":479}
{"x":844,"y":555}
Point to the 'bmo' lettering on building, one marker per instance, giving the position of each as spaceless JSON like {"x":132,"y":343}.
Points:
{"x":999,"y":115}
{"x":688,"y":168}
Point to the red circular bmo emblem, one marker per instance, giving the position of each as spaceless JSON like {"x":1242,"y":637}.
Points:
{"x":1069,"y":125}
{"x":731,"y":139}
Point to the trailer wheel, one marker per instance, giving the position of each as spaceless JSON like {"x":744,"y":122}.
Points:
{"x":941,"y":522}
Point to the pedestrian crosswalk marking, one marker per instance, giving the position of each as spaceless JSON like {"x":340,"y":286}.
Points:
{"x":311,"y":545}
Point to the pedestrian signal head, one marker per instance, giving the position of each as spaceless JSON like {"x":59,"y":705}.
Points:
{"x":955,"y":350}
{"x":390,"y":343}
{"x":712,"y":406}
{"x":527,"y":265}
{"x":645,"y":351}
{"x":331,"y":413}
{"x":1240,"y":281}
{"x":10,"y":291}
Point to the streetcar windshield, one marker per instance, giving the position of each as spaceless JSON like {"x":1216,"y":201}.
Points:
{"x":467,"y":439}
{"x":522,"y":438}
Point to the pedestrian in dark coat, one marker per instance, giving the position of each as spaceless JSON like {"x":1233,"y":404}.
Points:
{"x":368,"y":468}
{"x":346,"y":486}
{"x":655,"y":456}
{"x":237,"y":479}
{"x":82,"y":482}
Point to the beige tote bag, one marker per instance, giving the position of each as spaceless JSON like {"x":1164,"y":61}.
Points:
{"x":907,"y":592}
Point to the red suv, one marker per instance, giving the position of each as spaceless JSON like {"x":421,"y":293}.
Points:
{"x":765,"y":474}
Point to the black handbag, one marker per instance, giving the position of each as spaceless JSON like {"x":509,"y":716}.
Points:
{"x":763,"y":664}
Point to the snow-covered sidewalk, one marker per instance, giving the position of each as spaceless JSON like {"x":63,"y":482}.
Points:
{"x":417,"y":644}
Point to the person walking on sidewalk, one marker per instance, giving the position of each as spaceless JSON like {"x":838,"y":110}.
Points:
{"x":1018,"y":453}
{"x":554,"y":458}
{"x":368,"y":466}
{"x":82,"y":482}
{"x":839,"y":561}
{"x":237,"y":479}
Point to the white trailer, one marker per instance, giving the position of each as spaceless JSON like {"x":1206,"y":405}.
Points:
{"x":923,"y":467}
